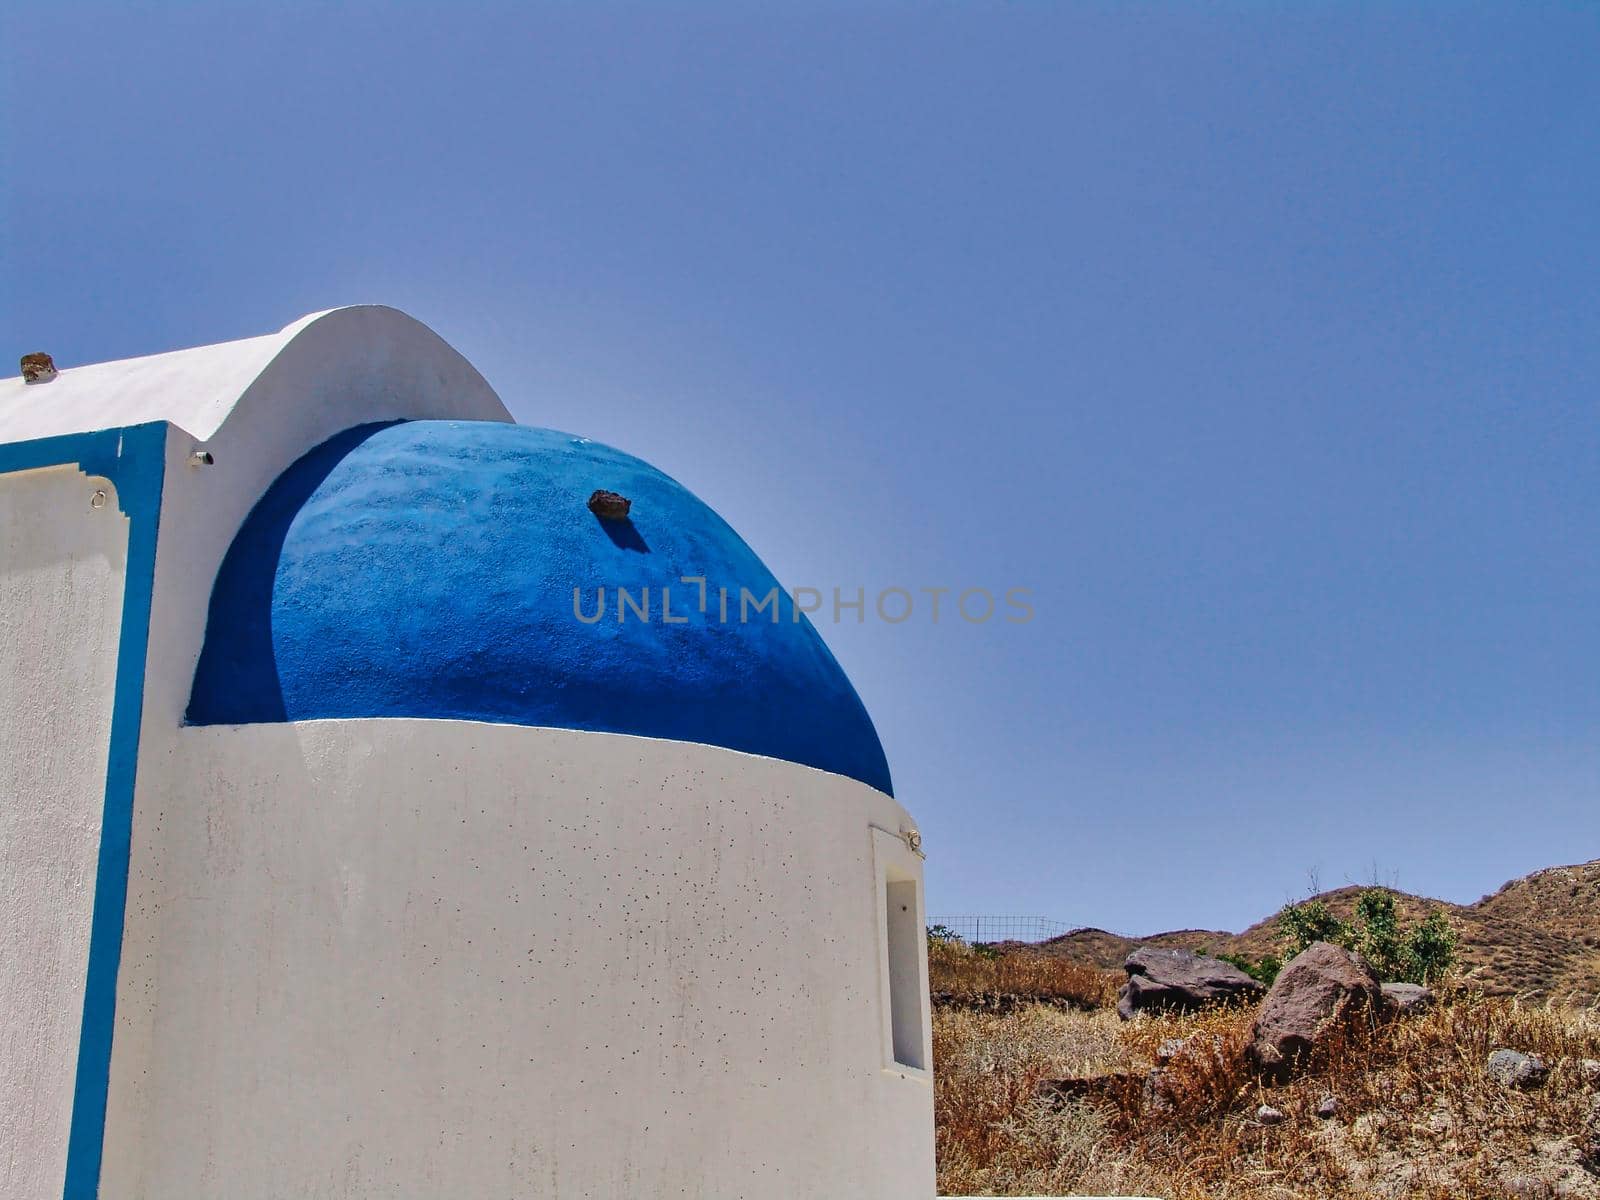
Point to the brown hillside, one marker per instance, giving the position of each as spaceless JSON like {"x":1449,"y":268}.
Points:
{"x":1107,"y":950}
{"x":1537,"y":937}
{"x":1505,"y":955}
{"x":1262,"y":937}
{"x":1561,"y":900}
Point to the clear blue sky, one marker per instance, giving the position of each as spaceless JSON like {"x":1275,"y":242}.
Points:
{"x":1263,"y":345}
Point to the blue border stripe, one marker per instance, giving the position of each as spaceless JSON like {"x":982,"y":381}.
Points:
{"x":134,"y":459}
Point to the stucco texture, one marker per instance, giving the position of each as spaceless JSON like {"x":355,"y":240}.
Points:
{"x":427,"y":569}
{"x":405,"y":959}
{"x":61,"y":590}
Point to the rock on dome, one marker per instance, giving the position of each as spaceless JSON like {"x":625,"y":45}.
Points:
{"x":426,"y":569}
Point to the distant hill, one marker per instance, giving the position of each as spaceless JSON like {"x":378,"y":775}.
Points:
{"x":1099,"y":948}
{"x":1563,"y":900}
{"x":1538,"y":936}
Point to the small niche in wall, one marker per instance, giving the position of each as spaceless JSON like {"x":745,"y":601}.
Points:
{"x":905,"y":975}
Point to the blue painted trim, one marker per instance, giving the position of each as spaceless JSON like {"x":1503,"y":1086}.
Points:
{"x":134,"y":459}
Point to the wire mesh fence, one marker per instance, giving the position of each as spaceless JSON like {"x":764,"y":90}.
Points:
{"x":975,"y":930}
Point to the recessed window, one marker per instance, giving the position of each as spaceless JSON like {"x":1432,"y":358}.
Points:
{"x":902,"y":946}
{"x":905,"y":973}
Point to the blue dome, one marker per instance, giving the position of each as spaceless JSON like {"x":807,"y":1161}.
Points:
{"x":427,"y":569}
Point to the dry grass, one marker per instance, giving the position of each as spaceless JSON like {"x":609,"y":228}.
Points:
{"x":1417,"y":1117}
{"x":958,"y":973}
{"x":994,"y":1137}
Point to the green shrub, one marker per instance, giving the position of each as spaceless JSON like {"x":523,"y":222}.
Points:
{"x":1264,"y":971}
{"x":1301,"y":925}
{"x":1431,"y":948}
{"x":1377,"y":935}
{"x":1418,"y":953}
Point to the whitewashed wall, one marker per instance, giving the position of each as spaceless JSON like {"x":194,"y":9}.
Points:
{"x":62,"y":563}
{"x":430,"y":958}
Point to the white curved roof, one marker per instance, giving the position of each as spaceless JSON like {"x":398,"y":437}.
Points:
{"x":198,"y":390}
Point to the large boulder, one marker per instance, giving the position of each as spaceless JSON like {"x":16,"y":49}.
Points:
{"x":1321,"y":988}
{"x":1180,"y":980}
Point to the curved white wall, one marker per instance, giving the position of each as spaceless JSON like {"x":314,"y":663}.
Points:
{"x":432,"y":958}
{"x":326,"y":373}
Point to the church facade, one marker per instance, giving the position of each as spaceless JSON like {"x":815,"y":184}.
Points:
{"x":395,"y":807}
